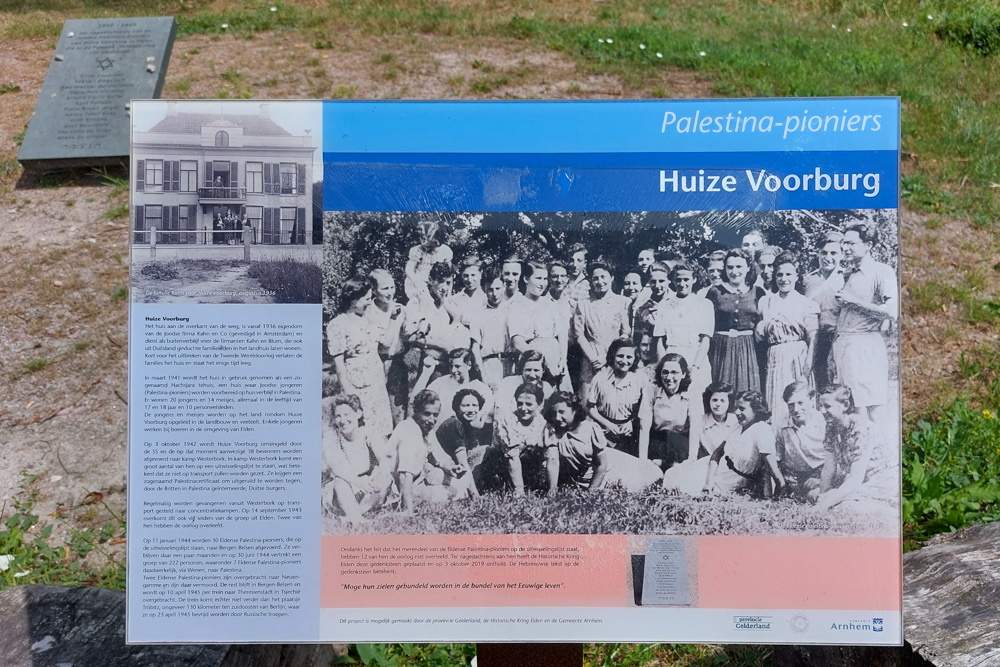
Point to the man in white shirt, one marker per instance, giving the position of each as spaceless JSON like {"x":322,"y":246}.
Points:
{"x":869,"y":303}
{"x":488,"y":329}
{"x":470,"y":295}
{"x":801,"y":441}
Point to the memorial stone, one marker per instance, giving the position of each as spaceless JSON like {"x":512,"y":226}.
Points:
{"x":99,"y":66}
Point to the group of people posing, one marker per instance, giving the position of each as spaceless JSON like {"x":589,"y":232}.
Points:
{"x":746,"y":372}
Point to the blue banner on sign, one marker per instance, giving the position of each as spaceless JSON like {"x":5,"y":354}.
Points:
{"x":611,"y":182}
{"x":705,"y":126}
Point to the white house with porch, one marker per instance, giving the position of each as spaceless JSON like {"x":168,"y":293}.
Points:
{"x":200,"y":178}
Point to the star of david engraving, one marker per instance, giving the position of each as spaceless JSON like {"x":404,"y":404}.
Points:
{"x":107,"y":63}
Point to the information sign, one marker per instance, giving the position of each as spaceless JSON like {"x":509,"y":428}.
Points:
{"x":534,"y":371}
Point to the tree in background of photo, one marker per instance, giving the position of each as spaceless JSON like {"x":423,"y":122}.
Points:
{"x":357,"y":242}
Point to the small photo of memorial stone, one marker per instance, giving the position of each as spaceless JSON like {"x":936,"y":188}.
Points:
{"x":226,"y":202}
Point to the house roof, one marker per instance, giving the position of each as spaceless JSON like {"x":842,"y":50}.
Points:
{"x":191,"y":123}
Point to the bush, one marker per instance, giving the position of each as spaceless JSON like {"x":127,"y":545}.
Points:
{"x":407,"y":655}
{"x":358,"y":241}
{"x":29,"y":555}
{"x":157,"y":271}
{"x":975,"y":27}
{"x":291,"y":281}
{"x":950,"y":472}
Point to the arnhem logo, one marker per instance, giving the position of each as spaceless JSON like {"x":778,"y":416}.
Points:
{"x":875,"y":625}
{"x":753,"y":622}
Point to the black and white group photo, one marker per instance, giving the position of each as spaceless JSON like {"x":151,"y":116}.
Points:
{"x":745,"y":356}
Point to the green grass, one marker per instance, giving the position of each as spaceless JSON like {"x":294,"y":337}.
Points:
{"x":344,"y":92}
{"x":9,"y":167}
{"x":31,"y":557}
{"x":118,"y":182}
{"x":975,"y":26}
{"x":182,"y":86}
{"x":117,"y":211}
{"x":409,"y":655}
{"x":36,"y":365}
{"x":34,"y":25}
{"x":486,"y":84}
{"x":937,"y":66}
{"x":951,"y":456}
{"x":240,"y":88}
{"x":678,"y":655}
{"x":614,"y":511}
{"x":951,"y":466}
{"x":252,"y":18}
{"x":974,"y":306}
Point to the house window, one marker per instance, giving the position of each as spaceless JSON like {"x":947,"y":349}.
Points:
{"x":184,"y":221}
{"x":154,"y":175}
{"x":189,"y":176}
{"x":222,"y":139}
{"x":288,"y":178}
{"x":154,"y":218}
{"x":287,"y":225}
{"x":255,"y":215}
{"x":255,"y":177}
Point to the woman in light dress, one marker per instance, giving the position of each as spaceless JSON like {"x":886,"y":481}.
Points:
{"x":858,"y":472}
{"x":742,"y":463}
{"x":748,"y":460}
{"x":357,"y":463}
{"x":685,"y":324}
{"x":354,"y":348}
{"x":597,"y":321}
{"x":719,"y":423}
{"x":788,"y":324}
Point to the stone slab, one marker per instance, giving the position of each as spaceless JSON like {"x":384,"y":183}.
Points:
{"x":99,"y":66}
{"x":951,"y":591}
{"x":951,"y":618}
{"x":53,"y":626}
{"x":847,"y":656}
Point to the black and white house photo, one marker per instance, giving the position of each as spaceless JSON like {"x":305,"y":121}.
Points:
{"x":226,"y":202}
